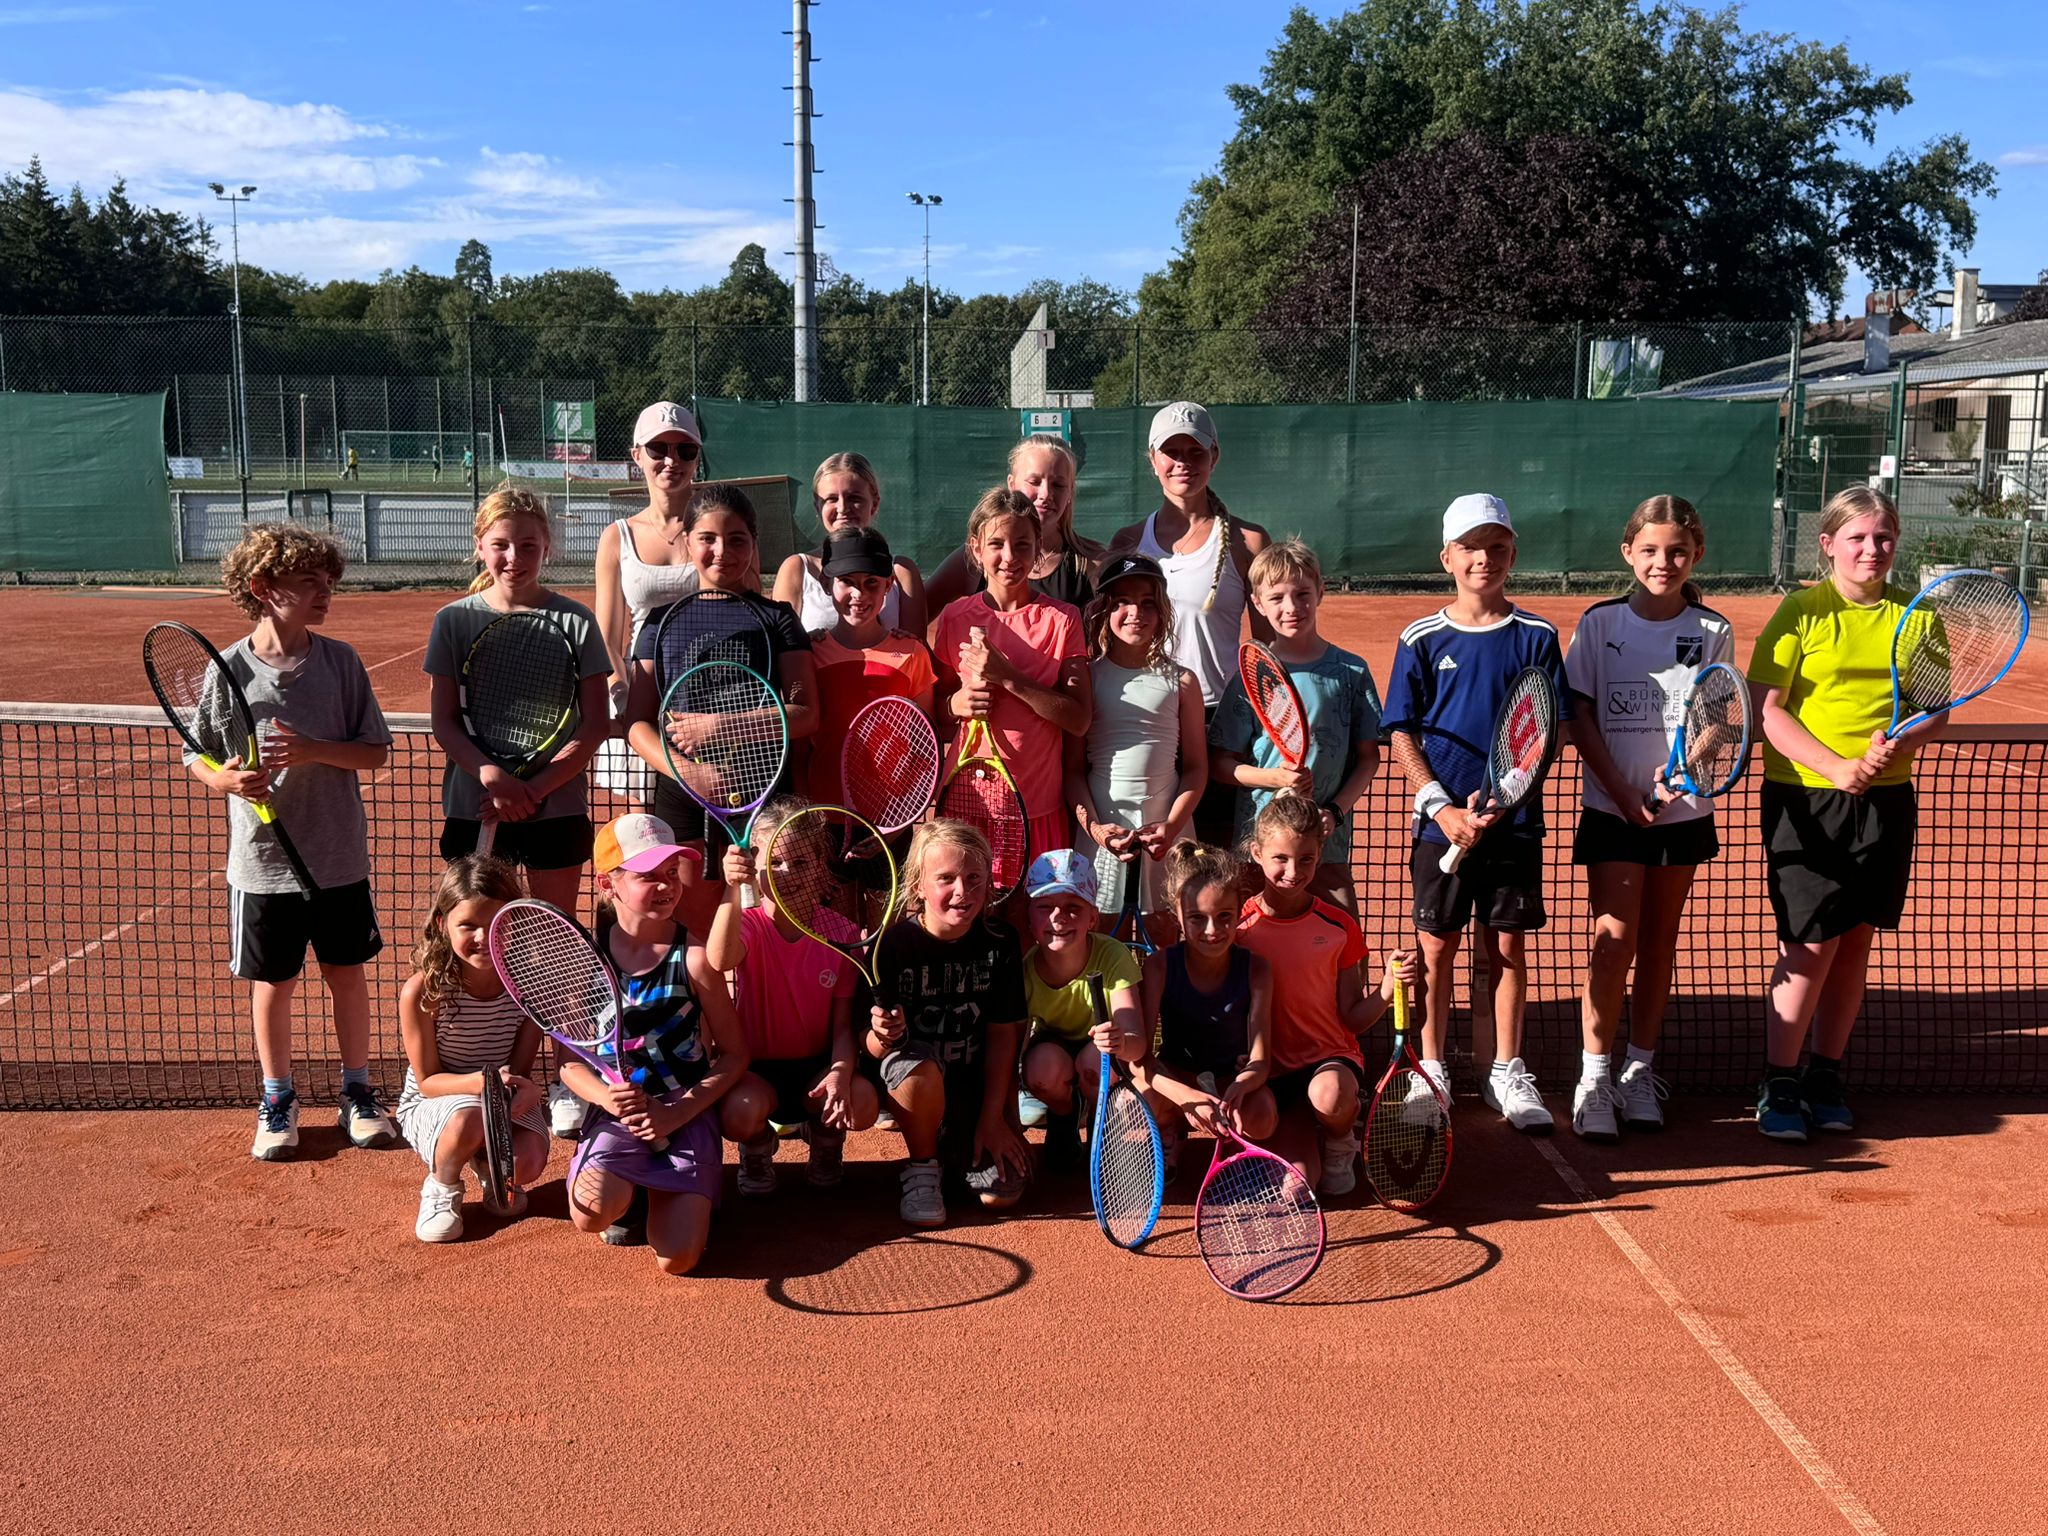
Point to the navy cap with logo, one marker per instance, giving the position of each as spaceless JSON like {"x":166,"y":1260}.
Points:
{"x":1129,"y":565}
{"x":861,"y":552}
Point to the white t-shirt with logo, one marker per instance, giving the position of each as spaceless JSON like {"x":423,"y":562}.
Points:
{"x":1634,"y":674}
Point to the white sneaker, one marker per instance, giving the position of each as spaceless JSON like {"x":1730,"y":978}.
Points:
{"x":1517,"y":1100}
{"x":1421,"y":1108}
{"x":1340,"y":1165}
{"x":923,"y":1205}
{"x":277,"y":1129}
{"x":565,"y":1113}
{"x":1593,"y":1110}
{"x":757,"y":1166}
{"x":1640,"y":1091}
{"x":440,"y":1219}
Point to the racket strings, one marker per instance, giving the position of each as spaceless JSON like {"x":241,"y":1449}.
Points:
{"x":556,"y":976}
{"x":1716,"y":729}
{"x":1966,"y":633}
{"x":702,"y":628}
{"x":1259,"y":1228}
{"x":1277,"y":704}
{"x":979,"y":797}
{"x":193,"y":688}
{"x":1405,"y":1148}
{"x":518,"y":690}
{"x":1521,"y":745}
{"x":890,"y":764}
{"x":1127,"y":1174}
{"x":746,"y":740}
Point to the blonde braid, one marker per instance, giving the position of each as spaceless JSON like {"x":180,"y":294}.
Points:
{"x":1222,"y":550}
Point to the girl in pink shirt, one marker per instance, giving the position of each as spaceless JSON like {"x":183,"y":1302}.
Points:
{"x":1028,"y":675}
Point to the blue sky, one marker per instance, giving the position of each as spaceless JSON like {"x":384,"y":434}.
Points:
{"x":650,"y":139}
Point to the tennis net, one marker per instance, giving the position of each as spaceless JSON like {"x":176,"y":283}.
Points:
{"x":114,"y":989}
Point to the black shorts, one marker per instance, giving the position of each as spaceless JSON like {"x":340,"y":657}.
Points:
{"x":268,"y":933}
{"x":1604,"y":838}
{"x":1291,"y":1088}
{"x":791,"y":1082}
{"x":1501,"y":880}
{"x":685,"y":817}
{"x":1215,"y":818}
{"x":559,"y":842}
{"x":1837,"y":861}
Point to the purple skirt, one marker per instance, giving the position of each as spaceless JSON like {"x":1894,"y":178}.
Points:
{"x":691,"y":1164}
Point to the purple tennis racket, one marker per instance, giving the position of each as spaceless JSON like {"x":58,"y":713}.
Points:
{"x":558,"y":975}
{"x":1257,"y":1223}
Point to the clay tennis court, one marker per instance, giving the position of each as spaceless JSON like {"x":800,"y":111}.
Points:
{"x":1696,"y":1331}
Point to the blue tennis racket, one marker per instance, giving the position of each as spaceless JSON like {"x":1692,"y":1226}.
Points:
{"x":1126,"y":1158}
{"x":1711,"y":746}
{"x":1961,"y":634}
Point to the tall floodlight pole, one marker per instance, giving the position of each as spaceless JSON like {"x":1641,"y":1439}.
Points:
{"x":234,"y":200}
{"x":806,"y":319}
{"x":927,"y":201}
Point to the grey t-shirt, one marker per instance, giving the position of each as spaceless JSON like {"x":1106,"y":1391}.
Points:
{"x":328,"y":698}
{"x":455,"y":630}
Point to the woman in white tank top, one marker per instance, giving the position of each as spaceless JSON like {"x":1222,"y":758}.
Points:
{"x":641,"y":562}
{"x":847,"y":495}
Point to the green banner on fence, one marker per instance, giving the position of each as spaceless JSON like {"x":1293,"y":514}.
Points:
{"x":83,"y":484}
{"x":1364,"y":485}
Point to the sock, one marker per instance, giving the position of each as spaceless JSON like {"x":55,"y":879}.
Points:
{"x":1637,"y":1053}
{"x":277,"y":1087}
{"x":1594,"y":1067}
{"x":1773,"y":1072}
{"x":1824,"y":1064}
{"x":355,"y":1077}
{"x":1500,"y":1071}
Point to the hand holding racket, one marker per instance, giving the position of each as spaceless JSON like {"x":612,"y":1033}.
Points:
{"x":1257,"y":1223}
{"x":203,"y":701}
{"x":1277,"y":704}
{"x":1711,"y":746}
{"x":557,"y":974}
{"x":1961,"y":634}
{"x":1130,"y":926}
{"x":725,"y":738}
{"x":1525,"y":742}
{"x":1408,"y":1129}
{"x":518,"y":700}
{"x":1126,"y":1157}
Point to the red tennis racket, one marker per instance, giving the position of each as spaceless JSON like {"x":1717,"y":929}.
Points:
{"x":1275,"y":700}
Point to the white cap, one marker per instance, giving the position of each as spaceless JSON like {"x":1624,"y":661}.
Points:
{"x":1474,"y":511}
{"x":665,"y":416}
{"x":1183,"y":418}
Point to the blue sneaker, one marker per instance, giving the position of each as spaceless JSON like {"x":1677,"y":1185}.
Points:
{"x":1778,"y":1114}
{"x":1030,"y":1109}
{"x":1820,"y":1095}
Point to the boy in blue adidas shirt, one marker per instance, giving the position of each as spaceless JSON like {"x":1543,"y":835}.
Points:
{"x":1451,"y":676}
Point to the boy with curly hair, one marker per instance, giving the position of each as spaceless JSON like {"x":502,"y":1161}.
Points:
{"x":319,"y":727}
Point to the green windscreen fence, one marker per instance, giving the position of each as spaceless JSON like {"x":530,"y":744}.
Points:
{"x":83,"y":484}
{"x":1365,"y":485}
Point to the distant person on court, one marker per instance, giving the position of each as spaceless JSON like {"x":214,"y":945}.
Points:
{"x":1838,"y":808}
{"x":642,"y":564}
{"x":1451,"y":676}
{"x":353,"y":469}
{"x":1631,"y":664}
{"x":320,"y":727}
{"x":461,"y":1028}
{"x":469,"y":466}
{"x":1206,"y":553}
{"x":848,"y":496}
{"x":1338,"y":698}
{"x":1044,"y":470}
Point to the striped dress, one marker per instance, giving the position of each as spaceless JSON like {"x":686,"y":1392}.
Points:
{"x":470,"y":1034}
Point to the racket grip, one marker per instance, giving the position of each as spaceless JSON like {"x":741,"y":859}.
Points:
{"x":486,"y":835}
{"x":640,"y":1079}
{"x":1453,"y":857}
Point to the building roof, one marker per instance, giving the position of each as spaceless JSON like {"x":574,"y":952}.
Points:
{"x":1994,"y":349}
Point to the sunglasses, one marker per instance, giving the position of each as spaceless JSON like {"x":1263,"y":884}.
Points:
{"x":683,"y":452}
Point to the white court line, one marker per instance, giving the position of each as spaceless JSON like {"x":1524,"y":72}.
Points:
{"x":51,"y":972}
{"x":1802,"y":1450}
{"x":373,"y":666}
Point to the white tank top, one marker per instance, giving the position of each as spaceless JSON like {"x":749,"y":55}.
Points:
{"x":816,"y":608}
{"x":1203,"y":642}
{"x":648,"y":587}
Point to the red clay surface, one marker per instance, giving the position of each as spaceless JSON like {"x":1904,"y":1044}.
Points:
{"x":84,"y":644}
{"x":199,"y":1342}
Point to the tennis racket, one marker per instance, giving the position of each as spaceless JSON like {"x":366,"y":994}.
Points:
{"x":1525,"y":741}
{"x":563,"y":982}
{"x":1257,"y":1223}
{"x":1408,"y":1131}
{"x":708,"y":626}
{"x":726,"y":738}
{"x":1275,"y":701}
{"x":518,"y":697}
{"x":211,"y":713}
{"x":889,"y":763}
{"x":980,"y":792}
{"x":496,"y":1163}
{"x":1130,"y":918}
{"x":832,"y":873}
{"x":1961,"y":634}
{"x":1711,"y":746}
{"x":1126,"y":1158}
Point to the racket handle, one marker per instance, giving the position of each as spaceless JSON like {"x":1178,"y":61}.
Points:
{"x":641,"y":1078}
{"x":486,"y":835}
{"x":1453,"y":857}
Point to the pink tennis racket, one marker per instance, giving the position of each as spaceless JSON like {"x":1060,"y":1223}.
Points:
{"x":1257,"y":1222}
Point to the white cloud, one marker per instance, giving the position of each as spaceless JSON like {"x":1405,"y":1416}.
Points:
{"x":1983,"y":66}
{"x":55,"y":15}
{"x":2036,"y":154}
{"x":522,"y":176}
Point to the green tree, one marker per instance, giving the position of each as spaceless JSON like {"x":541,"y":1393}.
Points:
{"x":41,"y":261}
{"x":1741,"y":140}
{"x":473,"y":270}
